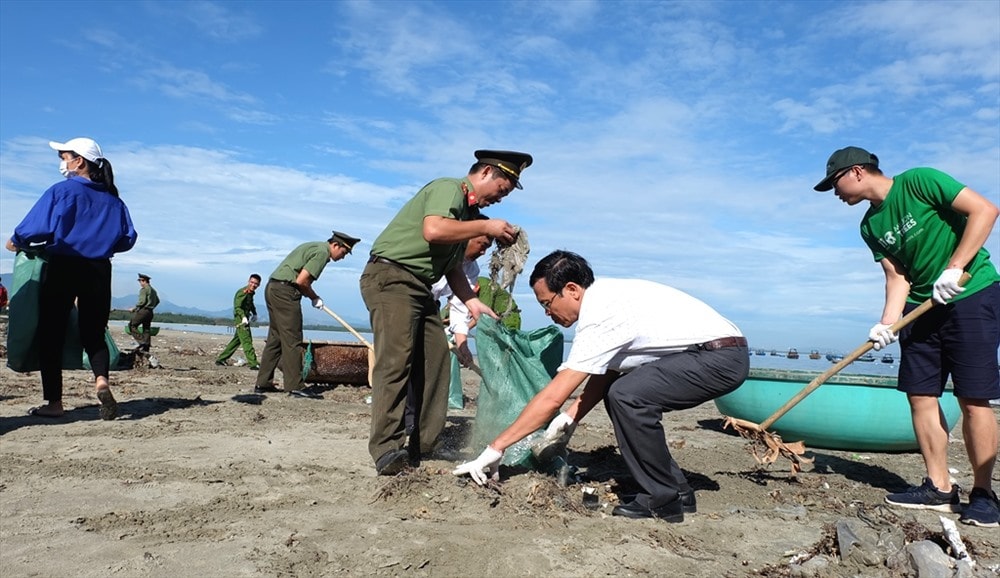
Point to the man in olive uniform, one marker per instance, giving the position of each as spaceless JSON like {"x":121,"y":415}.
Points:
{"x":291,"y":281}
{"x":142,"y":313}
{"x":425,"y":241}
{"x":244,"y":312}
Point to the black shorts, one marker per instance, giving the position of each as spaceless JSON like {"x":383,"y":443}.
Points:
{"x":960,"y":340}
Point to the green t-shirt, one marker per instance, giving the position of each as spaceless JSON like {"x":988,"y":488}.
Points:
{"x":403,"y":238}
{"x":312,"y":257}
{"x":917,"y":227}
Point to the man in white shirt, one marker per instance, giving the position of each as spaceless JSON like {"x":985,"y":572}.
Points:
{"x":646,"y":349}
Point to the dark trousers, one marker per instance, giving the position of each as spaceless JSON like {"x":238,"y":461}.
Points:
{"x":411,"y":361}
{"x":637,"y":400}
{"x":143,"y":316}
{"x":284,"y":347}
{"x":88,"y":282}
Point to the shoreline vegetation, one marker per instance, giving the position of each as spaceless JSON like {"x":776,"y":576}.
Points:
{"x":187,"y":319}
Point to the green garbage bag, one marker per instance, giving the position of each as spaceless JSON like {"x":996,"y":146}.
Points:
{"x":516,"y":365}
{"x":115,"y":360}
{"x":22,"y":315}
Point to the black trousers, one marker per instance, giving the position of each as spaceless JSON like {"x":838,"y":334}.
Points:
{"x":88,"y":282}
{"x":637,"y":400}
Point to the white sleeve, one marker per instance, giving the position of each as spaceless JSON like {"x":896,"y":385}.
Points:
{"x":458,"y":317}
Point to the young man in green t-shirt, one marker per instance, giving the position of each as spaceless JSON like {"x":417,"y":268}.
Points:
{"x":926,"y":229}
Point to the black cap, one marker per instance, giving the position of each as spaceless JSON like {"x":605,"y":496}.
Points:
{"x":841,"y":159}
{"x":343,"y":239}
{"x":510,"y":162}
{"x":144,"y":277}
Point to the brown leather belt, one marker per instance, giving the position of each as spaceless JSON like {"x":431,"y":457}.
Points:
{"x":721,"y":343}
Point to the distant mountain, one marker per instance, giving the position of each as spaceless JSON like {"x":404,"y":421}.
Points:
{"x":128,"y":301}
{"x":310,"y":316}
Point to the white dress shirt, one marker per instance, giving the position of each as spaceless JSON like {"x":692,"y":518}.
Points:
{"x":625,"y":323}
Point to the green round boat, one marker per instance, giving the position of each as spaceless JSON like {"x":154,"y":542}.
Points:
{"x":847,"y":412}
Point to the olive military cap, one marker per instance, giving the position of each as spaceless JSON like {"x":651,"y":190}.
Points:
{"x":510,"y":162}
{"x":343,"y":239}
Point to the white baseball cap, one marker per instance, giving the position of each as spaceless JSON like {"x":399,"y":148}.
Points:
{"x":85,"y":147}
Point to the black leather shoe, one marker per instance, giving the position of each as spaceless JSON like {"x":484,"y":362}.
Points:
{"x":670,"y":512}
{"x":306,"y":392}
{"x":689,"y":504}
{"x":222,"y":363}
{"x":391,"y":463}
{"x":265,"y":389}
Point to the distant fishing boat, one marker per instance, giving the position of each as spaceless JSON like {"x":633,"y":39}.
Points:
{"x":887,"y":358}
{"x":774,"y":352}
{"x":759,"y":352}
{"x":867,"y":358}
{"x":814,"y":354}
{"x":834,"y":357}
{"x":792,"y":354}
{"x":847,"y":412}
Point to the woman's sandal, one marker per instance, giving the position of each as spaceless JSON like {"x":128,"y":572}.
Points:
{"x":40,"y":411}
{"x":109,"y":407}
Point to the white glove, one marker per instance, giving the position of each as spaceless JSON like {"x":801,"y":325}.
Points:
{"x":245,"y":321}
{"x":317,"y":303}
{"x":882,"y":336}
{"x":946,"y":287}
{"x":561,"y":425}
{"x":488,"y":460}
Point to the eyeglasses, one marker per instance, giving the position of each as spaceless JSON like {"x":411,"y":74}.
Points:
{"x":840,"y":175}
{"x":547,"y":304}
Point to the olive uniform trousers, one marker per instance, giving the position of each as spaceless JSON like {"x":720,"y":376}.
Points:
{"x":284,"y":345}
{"x":411,"y":361}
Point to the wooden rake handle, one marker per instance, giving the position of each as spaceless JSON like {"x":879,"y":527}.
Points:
{"x":850,"y":358}
{"x":349,"y":328}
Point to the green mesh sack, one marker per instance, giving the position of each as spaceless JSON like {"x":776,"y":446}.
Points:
{"x":307,"y":361}
{"x":22,"y":315}
{"x":516,"y":365}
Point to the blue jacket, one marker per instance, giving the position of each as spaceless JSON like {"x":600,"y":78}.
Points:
{"x":79,"y":218}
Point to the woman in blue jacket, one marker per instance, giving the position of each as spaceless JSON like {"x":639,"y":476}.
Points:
{"x":79,"y":223}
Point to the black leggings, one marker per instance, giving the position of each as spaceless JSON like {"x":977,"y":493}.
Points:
{"x":88,"y":282}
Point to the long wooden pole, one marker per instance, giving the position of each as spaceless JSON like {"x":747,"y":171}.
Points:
{"x":848,"y":359}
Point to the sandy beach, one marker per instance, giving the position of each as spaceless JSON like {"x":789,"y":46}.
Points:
{"x":200,"y":477}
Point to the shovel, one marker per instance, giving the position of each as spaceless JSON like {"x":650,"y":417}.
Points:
{"x":371,"y":348}
{"x":768,"y":446}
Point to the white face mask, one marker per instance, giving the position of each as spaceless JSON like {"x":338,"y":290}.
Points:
{"x":64,"y":169}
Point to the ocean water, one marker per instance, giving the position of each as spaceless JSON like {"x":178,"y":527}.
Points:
{"x":803,"y":363}
{"x":118,"y":331}
{"x":766,"y":361}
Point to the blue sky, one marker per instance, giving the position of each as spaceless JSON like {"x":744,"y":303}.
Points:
{"x":673,"y":141}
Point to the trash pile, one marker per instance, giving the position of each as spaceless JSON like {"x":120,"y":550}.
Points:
{"x":880,"y":543}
